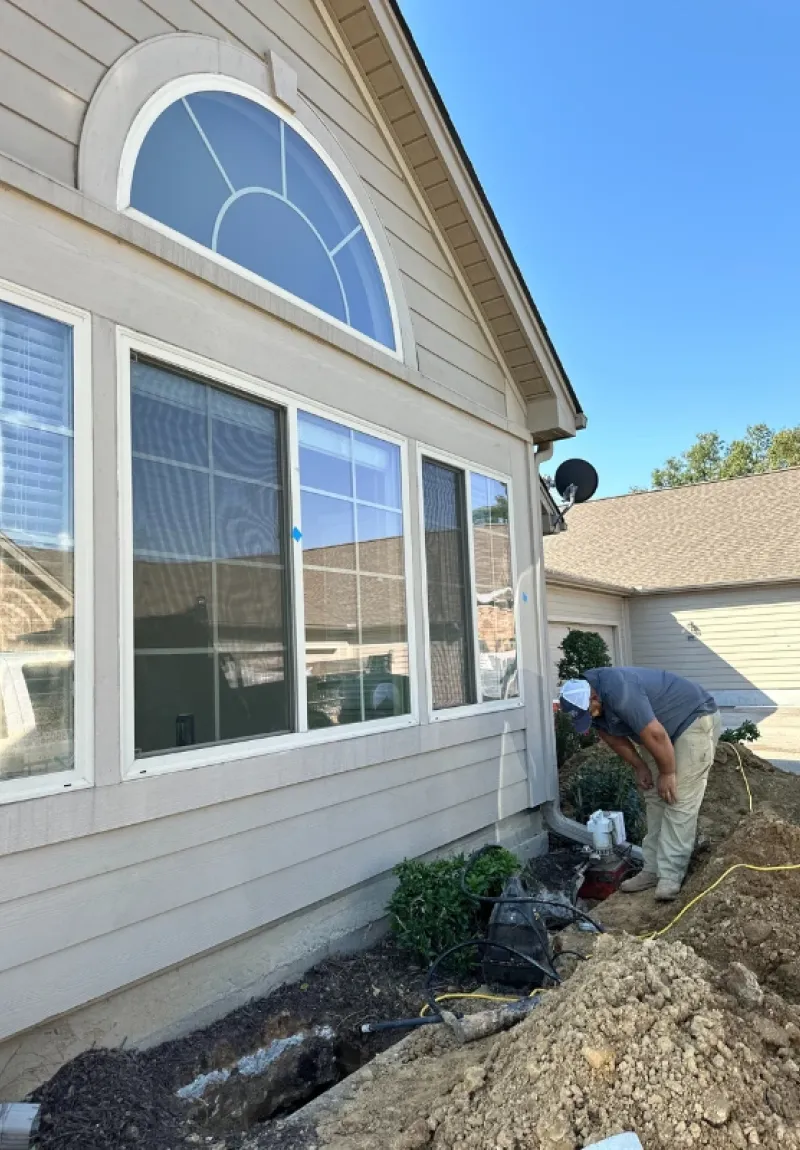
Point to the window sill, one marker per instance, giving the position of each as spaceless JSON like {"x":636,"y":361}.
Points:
{"x":168,"y":764}
{"x":476,"y":709}
{"x":62,"y":783}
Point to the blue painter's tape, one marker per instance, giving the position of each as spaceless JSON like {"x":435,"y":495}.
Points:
{"x":524,"y":596}
{"x":297,"y":534}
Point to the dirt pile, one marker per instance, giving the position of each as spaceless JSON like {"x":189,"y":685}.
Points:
{"x":751,"y":917}
{"x":640,"y":1039}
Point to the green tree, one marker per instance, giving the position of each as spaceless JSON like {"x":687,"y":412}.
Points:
{"x":496,"y":513}
{"x":582,"y":650}
{"x":760,"y":449}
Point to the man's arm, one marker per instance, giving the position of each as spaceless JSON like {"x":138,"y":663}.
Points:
{"x":656,"y":740}
{"x":626,"y":750}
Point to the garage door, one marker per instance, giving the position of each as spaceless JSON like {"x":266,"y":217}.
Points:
{"x":557,"y":633}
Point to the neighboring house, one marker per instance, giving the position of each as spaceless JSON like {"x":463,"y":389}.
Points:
{"x":702,"y":580}
{"x":272,"y":610}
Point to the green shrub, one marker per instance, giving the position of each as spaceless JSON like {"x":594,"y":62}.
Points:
{"x":582,"y":650}
{"x":568,"y":741}
{"x":607,"y":784}
{"x":746,"y":732}
{"x":430,"y":912}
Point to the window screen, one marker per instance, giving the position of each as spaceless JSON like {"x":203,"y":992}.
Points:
{"x":210,"y":583}
{"x":353,"y":574}
{"x":37,"y":681}
{"x":494,"y":589}
{"x":231,"y":175}
{"x":447,"y":563}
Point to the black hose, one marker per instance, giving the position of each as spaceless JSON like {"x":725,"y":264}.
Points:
{"x":571,"y":953}
{"x":481,"y":942}
{"x":489,"y":901}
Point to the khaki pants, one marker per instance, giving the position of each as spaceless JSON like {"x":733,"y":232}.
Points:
{"x":671,"y":829}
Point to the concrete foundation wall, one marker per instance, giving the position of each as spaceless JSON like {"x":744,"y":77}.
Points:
{"x":196,"y":993}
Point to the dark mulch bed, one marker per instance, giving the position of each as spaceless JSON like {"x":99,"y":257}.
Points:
{"x":107,"y":1100}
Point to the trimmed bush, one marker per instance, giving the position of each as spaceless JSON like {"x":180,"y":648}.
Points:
{"x":582,"y":650}
{"x":430,"y":912}
{"x":746,"y":732}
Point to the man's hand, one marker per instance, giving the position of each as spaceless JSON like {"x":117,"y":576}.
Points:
{"x":668,"y":788}
{"x":626,"y":751}
{"x":644,"y":777}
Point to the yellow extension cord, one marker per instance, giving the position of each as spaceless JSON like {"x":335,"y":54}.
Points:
{"x":487,"y":997}
{"x":656,"y":933}
{"x":736,"y":866}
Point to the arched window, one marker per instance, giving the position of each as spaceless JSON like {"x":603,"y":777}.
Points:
{"x":232,"y":175}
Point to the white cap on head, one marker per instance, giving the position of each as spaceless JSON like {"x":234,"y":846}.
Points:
{"x":576,"y":694}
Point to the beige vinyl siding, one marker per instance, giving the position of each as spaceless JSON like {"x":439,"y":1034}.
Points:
{"x":57,"y":53}
{"x":129,"y":903}
{"x":578,"y":605}
{"x":741,"y":640}
{"x":101,"y":888}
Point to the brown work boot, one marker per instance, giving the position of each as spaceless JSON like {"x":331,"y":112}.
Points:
{"x":644,"y":880}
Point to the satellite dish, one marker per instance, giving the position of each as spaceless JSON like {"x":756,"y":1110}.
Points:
{"x":576,"y":480}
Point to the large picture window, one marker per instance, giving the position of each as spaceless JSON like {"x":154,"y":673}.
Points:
{"x":39,"y":715}
{"x":268,"y":588}
{"x":472,"y":639}
{"x":228,"y":173}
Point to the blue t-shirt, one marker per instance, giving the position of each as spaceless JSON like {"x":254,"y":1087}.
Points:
{"x":633,"y":696}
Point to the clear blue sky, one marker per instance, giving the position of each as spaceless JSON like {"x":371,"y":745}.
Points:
{"x":643,"y":157}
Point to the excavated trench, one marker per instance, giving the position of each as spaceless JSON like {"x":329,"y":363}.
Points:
{"x":272,"y":1082}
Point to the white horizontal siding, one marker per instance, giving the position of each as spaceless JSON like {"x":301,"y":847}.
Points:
{"x":578,"y":605}
{"x":116,"y":908}
{"x":742,"y":640}
{"x":56,"y":54}
{"x":576,"y":608}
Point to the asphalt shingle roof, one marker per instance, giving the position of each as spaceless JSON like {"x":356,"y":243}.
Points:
{"x":732,"y":531}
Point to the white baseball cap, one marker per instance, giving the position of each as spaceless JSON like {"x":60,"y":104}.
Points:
{"x":575,"y":696}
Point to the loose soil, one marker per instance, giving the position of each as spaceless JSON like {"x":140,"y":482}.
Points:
{"x":752,"y":917}
{"x":664,"y":1038}
{"x":641,"y":1038}
{"x":107,"y":1100}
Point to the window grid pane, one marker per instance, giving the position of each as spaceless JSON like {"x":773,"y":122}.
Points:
{"x":211,"y":631}
{"x":357,"y":661}
{"x":231,"y":175}
{"x":450,"y":635}
{"x":37,"y":654}
{"x":494,"y":589}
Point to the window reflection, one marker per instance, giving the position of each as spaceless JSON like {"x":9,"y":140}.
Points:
{"x":447,"y":565}
{"x":231,"y":175}
{"x":37,"y":654}
{"x":209,"y":580}
{"x":494,"y":590}
{"x":354,"y":575}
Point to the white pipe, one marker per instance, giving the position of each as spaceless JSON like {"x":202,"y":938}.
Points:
{"x":19,"y":1121}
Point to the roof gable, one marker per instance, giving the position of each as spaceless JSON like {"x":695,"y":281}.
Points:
{"x":378,"y":38}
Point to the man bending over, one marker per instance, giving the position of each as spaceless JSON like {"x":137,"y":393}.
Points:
{"x":667,"y":728}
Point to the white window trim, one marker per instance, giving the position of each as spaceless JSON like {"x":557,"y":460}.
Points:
{"x":82,"y":776}
{"x":468,"y":468}
{"x":208,"y":82}
{"x":129,"y":342}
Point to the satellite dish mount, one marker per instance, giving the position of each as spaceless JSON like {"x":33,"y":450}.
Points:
{"x":576,"y":482}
